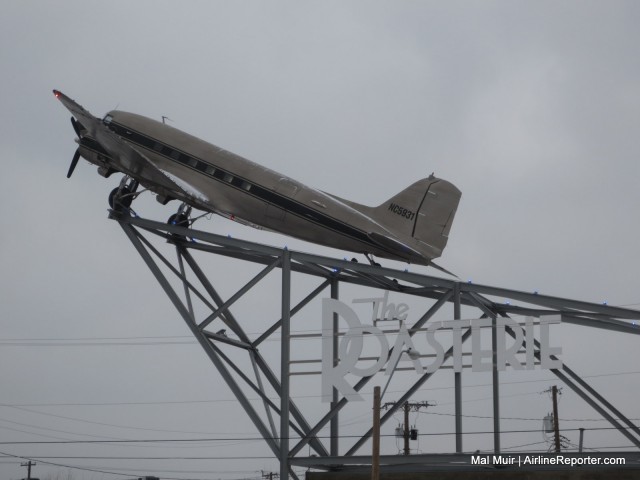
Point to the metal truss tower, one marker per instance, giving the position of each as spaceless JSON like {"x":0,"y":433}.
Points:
{"x":283,"y":425}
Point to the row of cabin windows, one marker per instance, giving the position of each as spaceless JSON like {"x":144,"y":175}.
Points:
{"x":203,"y":167}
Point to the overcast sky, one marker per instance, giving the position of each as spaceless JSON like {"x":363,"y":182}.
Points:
{"x":531,"y":108}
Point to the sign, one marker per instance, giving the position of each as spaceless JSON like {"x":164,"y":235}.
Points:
{"x":352,"y":344}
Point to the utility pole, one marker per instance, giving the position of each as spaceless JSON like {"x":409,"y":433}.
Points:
{"x":407,"y":407}
{"x":375,"y":443}
{"x":556,"y":423}
{"x":29,"y":464}
{"x":406,"y":428}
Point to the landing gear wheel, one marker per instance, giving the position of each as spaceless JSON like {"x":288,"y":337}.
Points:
{"x":179,"y":219}
{"x":121,"y":197}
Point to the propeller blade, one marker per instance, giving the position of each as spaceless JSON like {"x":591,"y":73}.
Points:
{"x":77,"y":126}
{"x":74,"y":162}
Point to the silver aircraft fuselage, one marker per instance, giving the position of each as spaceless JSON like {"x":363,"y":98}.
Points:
{"x":412,"y":226}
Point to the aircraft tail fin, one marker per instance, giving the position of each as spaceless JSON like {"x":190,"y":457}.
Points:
{"x":424,"y":211}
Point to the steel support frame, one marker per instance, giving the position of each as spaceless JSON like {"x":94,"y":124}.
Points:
{"x":332,"y":272}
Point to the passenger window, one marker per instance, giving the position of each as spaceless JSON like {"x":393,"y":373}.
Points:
{"x":193,"y":162}
{"x":245,"y":186}
{"x":228,"y":177}
{"x":210,"y":170}
{"x":107,"y":119}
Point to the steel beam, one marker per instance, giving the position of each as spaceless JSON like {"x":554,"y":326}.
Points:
{"x":249,"y":285}
{"x":495,"y":384}
{"x":404,"y":398}
{"x":285,"y":357}
{"x":363,"y":381}
{"x":204,"y":342}
{"x":457,"y":376}
{"x":227,"y":317}
{"x":274,"y":328}
{"x":334,"y":426}
{"x":333,"y":272}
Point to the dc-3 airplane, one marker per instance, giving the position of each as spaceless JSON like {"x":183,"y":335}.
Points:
{"x":412,"y":226}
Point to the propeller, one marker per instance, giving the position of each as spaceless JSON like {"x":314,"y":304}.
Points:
{"x":74,"y":162}
{"x":77,"y":127}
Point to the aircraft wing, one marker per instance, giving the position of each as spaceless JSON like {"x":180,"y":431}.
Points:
{"x":128,"y":159}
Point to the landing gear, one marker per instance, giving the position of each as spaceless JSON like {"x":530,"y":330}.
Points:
{"x":181,"y":217}
{"x":121,"y":197}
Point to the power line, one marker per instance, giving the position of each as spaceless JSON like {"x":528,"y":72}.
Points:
{"x":211,"y":433}
{"x":226,"y":400}
{"x":523,"y":418}
{"x":117,"y":341}
{"x":219,"y":439}
{"x":64,"y":417}
{"x":103,"y":439}
{"x":42,"y":459}
{"x":68,"y":466}
{"x":111,"y":457}
{"x":49,"y":429}
{"x":108,"y":472}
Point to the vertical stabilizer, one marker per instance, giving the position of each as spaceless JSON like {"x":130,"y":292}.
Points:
{"x":423,"y":212}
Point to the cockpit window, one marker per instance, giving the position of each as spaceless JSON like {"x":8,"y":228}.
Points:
{"x":107,"y":119}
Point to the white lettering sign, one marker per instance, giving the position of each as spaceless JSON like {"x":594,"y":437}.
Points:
{"x":352,"y":344}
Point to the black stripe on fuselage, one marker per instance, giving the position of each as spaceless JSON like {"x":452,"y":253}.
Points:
{"x":258,"y":191}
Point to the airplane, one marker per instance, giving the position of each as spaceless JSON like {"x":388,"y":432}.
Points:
{"x":412,"y":226}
